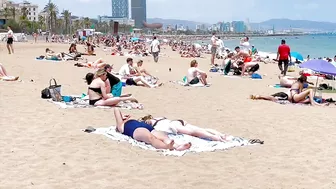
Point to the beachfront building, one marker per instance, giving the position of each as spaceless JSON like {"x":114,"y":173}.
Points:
{"x":239,"y":26}
{"x":120,"y":9}
{"x":139,"y":12}
{"x":108,"y":19}
{"x":31,"y":10}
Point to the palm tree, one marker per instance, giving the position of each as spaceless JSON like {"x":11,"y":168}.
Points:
{"x":41,"y":22}
{"x":87,"y":22}
{"x":59,"y":25}
{"x":52,"y":11}
{"x":6,"y":13}
{"x":67,"y":20}
{"x":13,"y":12}
{"x":24,"y":12}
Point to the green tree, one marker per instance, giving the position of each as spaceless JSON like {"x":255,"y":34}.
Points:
{"x":87,"y":22}
{"x":24,"y":12}
{"x":66,"y":14}
{"x":41,"y":22}
{"x":52,"y":10}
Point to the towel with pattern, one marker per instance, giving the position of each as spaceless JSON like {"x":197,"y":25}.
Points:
{"x":84,"y":103}
{"x":198,"y":145}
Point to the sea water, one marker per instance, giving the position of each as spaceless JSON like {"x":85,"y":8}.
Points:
{"x":314,"y":45}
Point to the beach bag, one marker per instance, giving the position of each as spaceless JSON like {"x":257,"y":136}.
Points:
{"x":53,"y":92}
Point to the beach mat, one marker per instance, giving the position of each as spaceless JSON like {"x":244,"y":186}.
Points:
{"x":84,"y":103}
{"x":198,"y":145}
{"x":189,"y":85}
{"x":277,"y":86}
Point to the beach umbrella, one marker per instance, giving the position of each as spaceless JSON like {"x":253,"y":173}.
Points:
{"x":319,"y":65}
{"x":297,"y":55}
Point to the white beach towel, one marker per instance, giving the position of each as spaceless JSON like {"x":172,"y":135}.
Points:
{"x":84,"y":103}
{"x":198,"y":145}
{"x":190,"y":85}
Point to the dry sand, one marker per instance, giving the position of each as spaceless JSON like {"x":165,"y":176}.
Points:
{"x":43,"y":146}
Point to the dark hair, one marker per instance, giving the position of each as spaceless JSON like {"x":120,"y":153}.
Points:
{"x":218,"y":37}
{"x":302,"y":79}
{"x":129,"y":59}
{"x":10,"y":27}
{"x":283,"y":41}
{"x":47,"y":49}
{"x":247,"y":38}
{"x":154,"y":37}
{"x":89,"y":78}
{"x":237,"y":48}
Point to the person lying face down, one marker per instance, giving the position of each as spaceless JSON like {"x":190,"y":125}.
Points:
{"x":144,"y":132}
{"x":179,"y":126}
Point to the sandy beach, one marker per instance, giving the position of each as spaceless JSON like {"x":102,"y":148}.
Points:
{"x":42,"y":146}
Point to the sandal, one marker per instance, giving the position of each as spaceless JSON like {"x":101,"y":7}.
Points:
{"x":256,"y":141}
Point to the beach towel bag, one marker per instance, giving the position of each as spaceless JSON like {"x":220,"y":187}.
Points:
{"x":117,"y":89}
{"x":53,"y":91}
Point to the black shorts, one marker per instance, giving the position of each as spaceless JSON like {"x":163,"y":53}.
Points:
{"x":280,"y":96}
{"x":130,"y":81}
{"x":194,"y":81}
{"x":10,"y":41}
{"x":283,"y":62}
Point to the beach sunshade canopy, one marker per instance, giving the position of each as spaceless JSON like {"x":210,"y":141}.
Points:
{"x":297,"y":55}
{"x":319,"y":65}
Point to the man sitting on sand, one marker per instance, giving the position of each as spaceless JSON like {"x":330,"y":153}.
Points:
{"x":196,"y":75}
{"x":4,"y":76}
{"x":131,"y":79}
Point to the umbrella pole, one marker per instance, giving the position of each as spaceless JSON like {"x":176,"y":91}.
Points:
{"x":316,"y":86}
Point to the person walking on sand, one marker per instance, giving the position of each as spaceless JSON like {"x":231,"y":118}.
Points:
{"x":213,"y":48}
{"x":10,"y":40}
{"x":155,"y":49}
{"x":282,"y":56}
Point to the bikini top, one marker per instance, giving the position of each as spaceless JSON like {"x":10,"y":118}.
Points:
{"x":97,"y":90}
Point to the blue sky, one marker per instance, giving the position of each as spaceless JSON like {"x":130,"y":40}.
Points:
{"x":211,"y":11}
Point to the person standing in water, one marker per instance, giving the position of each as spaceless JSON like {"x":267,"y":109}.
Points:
{"x":10,"y":40}
{"x":282,"y":56}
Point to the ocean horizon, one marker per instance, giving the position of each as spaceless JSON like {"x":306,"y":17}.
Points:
{"x":314,"y":45}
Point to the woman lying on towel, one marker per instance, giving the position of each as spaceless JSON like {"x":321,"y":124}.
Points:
{"x":179,"y":126}
{"x":97,"y":90}
{"x":96,"y":64}
{"x":4,"y":76}
{"x":144,"y":132}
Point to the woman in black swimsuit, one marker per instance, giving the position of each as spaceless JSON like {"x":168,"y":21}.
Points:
{"x":97,"y":92}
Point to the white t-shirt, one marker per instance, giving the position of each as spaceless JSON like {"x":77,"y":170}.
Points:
{"x":245,"y":46}
{"x":220,"y":43}
{"x":155,"y":45}
{"x":124,"y":70}
{"x":10,"y":34}
{"x":192,"y":73}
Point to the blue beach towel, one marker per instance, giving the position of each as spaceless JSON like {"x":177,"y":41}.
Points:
{"x":256,"y":76}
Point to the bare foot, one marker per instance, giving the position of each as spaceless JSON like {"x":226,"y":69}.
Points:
{"x":134,"y":100}
{"x":170,"y":146}
{"x":183,"y":147}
